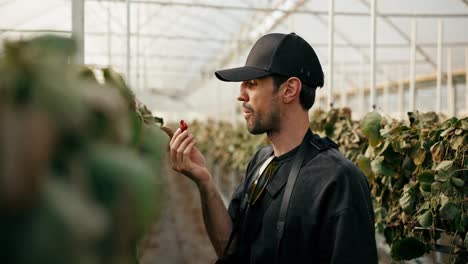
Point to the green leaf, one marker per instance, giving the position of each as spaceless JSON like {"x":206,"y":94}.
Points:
{"x":465,"y":242}
{"x":364,"y":163}
{"x":419,"y":156}
{"x":54,"y":45}
{"x":462,"y":223}
{"x":371,"y":127}
{"x":449,"y":211}
{"x":408,"y":167}
{"x":425,"y":219}
{"x":400,"y":145}
{"x":426,"y":176}
{"x":457,"y":182}
{"x":435,"y":188}
{"x":425,"y":187}
{"x":389,"y":234}
{"x":380,"y":169}
{"x":448,"y":189}
{"x":116,"y":171}
{"x":329,"y":129}
{"x":392,"y":158}
{"x":407,"y":248}
{"x":443,"y":170}
{"x":408,"y":200}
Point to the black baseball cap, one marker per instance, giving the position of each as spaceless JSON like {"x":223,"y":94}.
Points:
{"x":283,"y":54}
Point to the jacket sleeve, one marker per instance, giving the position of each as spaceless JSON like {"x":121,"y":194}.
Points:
{"x":347,"y":237}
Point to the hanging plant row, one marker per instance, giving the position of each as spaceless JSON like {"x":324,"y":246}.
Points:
{"x":79,"y":159}
{"x":417,"y":171}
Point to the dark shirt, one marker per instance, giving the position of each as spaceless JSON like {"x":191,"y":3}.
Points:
{"x":330,"y":217}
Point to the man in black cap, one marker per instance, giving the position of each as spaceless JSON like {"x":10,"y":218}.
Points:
{"x":301,"y":201}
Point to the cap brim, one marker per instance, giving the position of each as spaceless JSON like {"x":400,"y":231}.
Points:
{"x":241,"y":74}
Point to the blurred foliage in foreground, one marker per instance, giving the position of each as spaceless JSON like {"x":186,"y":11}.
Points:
{"x":79,"y":159}
{"x":417,"y":171}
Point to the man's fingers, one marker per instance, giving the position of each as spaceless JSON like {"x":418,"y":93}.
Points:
{"x":188,"y":150}
{"x":176,"y":140}
{"x":176,"y":133}
{"x":182,"y":147}
{"x":174,"y":145}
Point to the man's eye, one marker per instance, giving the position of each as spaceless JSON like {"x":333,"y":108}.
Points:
{"x":252,"y":83}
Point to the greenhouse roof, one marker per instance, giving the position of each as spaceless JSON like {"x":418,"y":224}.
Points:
{"x":175,"y":46}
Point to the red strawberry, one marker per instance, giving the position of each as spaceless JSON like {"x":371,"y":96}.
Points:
{"x":183,"y":125}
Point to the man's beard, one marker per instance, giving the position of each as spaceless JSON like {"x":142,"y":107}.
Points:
{"x":267,"y":122}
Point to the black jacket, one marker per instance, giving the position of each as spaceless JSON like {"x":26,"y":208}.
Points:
{"x":330,"y":217}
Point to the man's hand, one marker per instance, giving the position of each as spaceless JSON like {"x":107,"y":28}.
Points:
{"x":186,"y":158}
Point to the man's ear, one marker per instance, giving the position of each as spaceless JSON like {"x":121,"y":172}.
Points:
{"x":291,"y":89}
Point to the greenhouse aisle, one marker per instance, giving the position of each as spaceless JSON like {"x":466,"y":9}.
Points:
{"x":179,"y":236}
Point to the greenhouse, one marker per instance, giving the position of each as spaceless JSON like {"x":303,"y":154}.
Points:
{"x":123,"y":141}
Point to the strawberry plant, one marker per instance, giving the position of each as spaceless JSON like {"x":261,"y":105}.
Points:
{"x":79,"y":158}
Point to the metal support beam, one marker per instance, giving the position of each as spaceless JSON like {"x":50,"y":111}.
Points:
{"x":451,"y":104}
{"x":127,"y":66}
{"x":269,"y":23}
{"x":78,"y":29}
{"x":109,"y":35}
{"x":331,"y":48}
{"x":440,"y":33}
{"x":412,"y":90}
{"x":138,"y":68}
{"x":358,"y":46}
{"x":386,"y":18}
{"x":300,"y":11}
{"x":372,"y":55}
{"x":349,"y":44}
{"x":466,"y":81}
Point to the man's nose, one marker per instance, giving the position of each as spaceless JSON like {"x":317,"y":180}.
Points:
{"x":242,"y":95}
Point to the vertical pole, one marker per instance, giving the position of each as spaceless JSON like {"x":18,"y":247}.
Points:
{"x":466,"y":81}
{"x":450,"y":88}
{"x":78,"y":29}
{"x":127,"y":67}
{"x":372,"y":56}
{"x":401,"y":95}
{"x":331,"y":47}
{"x":109,"y":35}
{"x":412,"y":98}
{"x":138,"y":68}
{"x":362,"y":91}
{"x":439,"y":66}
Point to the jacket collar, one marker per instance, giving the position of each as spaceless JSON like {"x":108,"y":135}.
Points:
{"x":277,"y":183}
